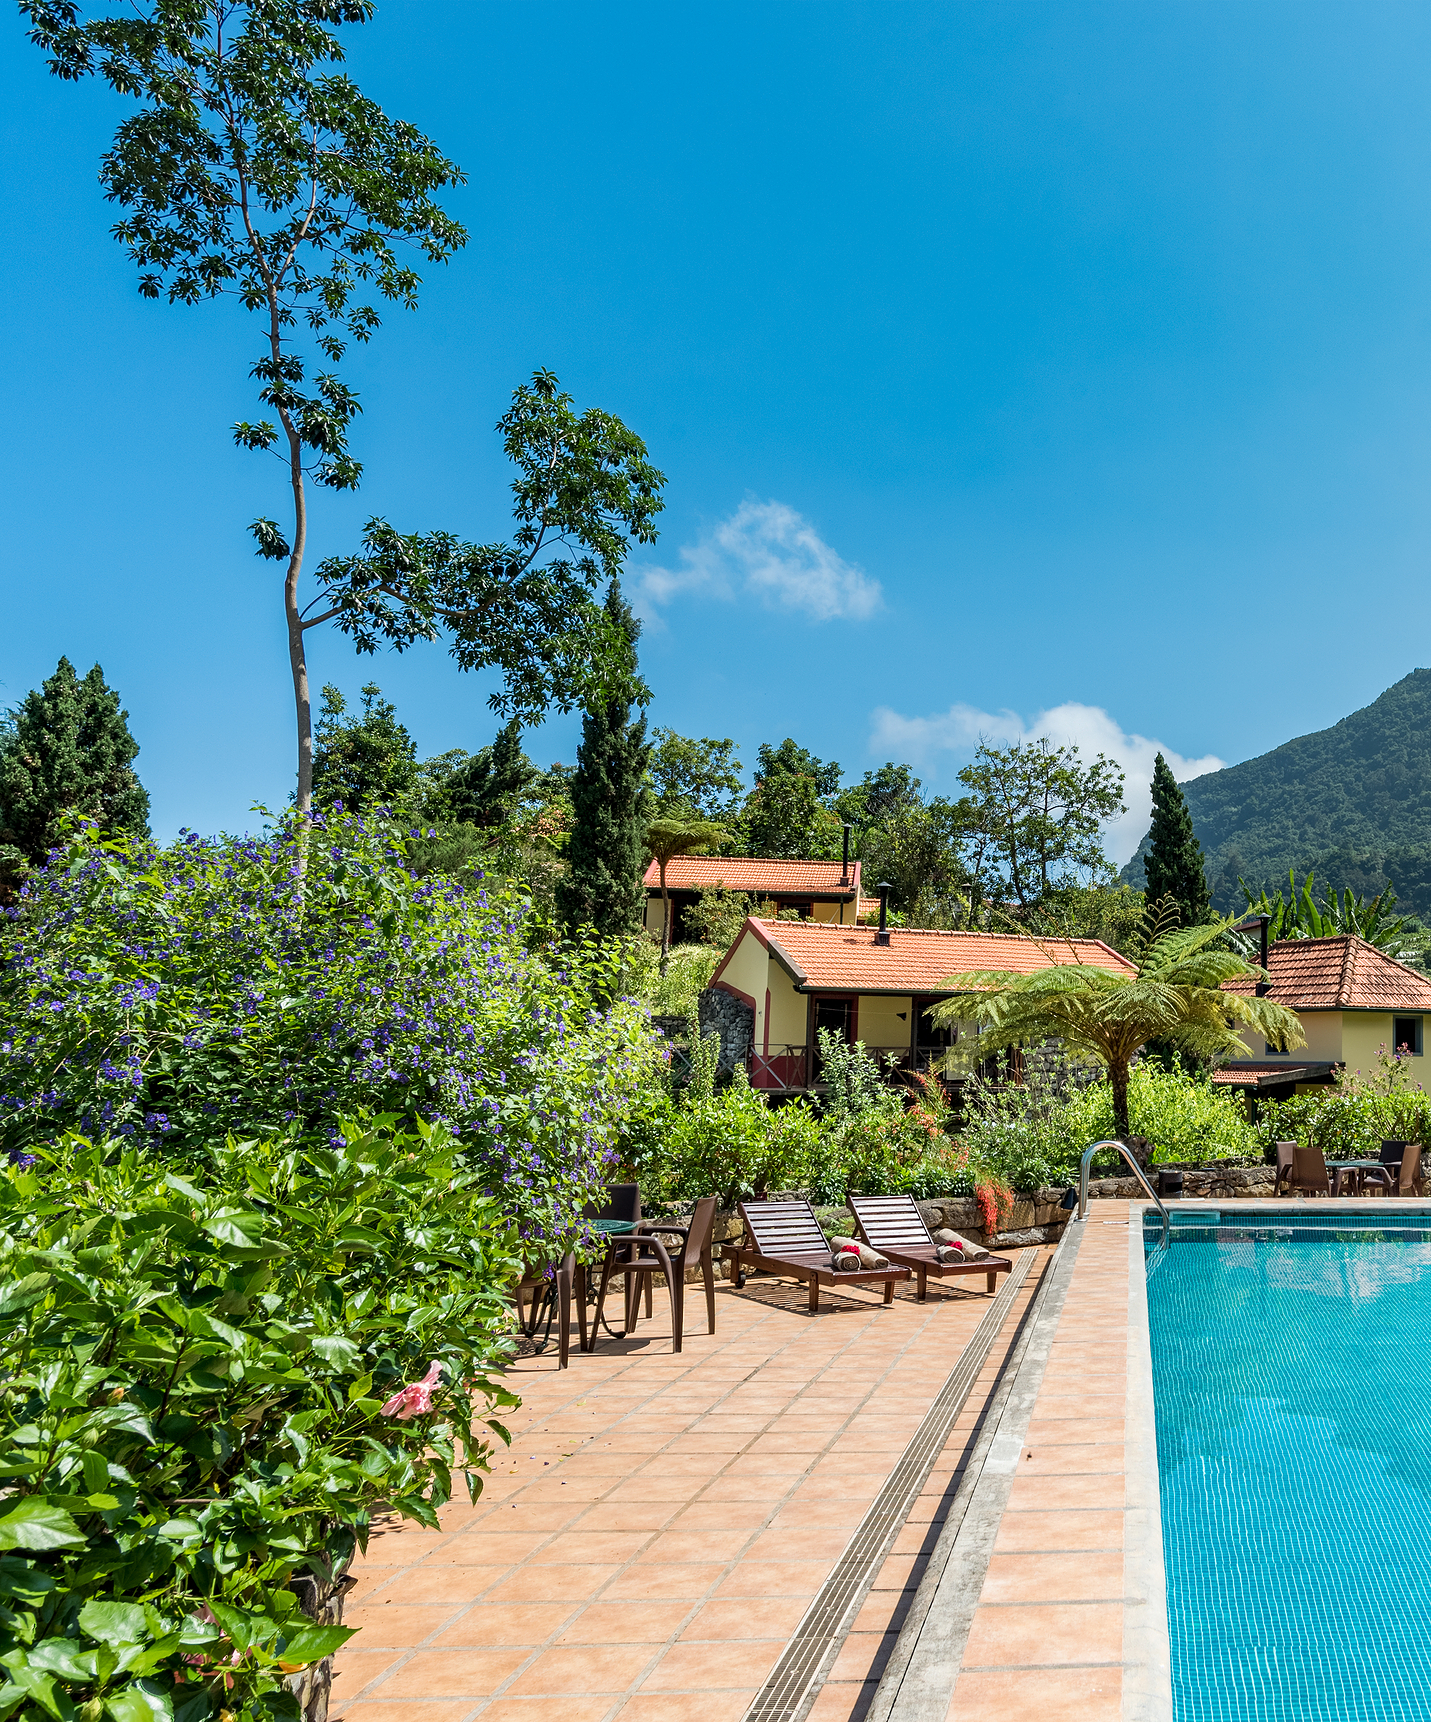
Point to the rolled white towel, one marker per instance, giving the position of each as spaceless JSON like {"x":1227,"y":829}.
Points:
{"x":845,"y":1261}
{"x":969,"y":1252}
{"x":868,"y":1258}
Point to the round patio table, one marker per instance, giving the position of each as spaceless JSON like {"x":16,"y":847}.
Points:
{"x":1357,"y":1170}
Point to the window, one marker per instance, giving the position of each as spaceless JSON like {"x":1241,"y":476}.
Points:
{"x":1406,"y":1032}
{"x":1275,"y":1049}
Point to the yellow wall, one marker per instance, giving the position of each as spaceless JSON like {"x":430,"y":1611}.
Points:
{"x":1365,"y":1032}
{"x":879,"y":1022}
{"x":788,"y":1011}
{"x":745,"y":971}
{"x":1323,"y":1029}
{"x":832,"y":912}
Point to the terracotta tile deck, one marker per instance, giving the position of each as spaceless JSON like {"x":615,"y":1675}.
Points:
{"x":661,"y":1523}
{"x":1048,"y":1635}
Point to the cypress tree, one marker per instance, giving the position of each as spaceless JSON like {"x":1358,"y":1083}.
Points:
{"x":606,"y":853}
{"x":1174,"y":864}
{"x":69,"y":750}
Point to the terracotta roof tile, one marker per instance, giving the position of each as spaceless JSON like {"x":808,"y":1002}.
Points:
{"x":741,"y":873}
{"x":826,"y":956}
{"x":1249,"y":1075}
{"x":1339,"y":974}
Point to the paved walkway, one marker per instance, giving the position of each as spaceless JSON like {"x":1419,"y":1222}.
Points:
{"x":661,"y":1523}
{"x":1055,"y":1633}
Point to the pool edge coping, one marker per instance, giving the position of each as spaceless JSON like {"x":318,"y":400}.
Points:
{"x":1147,"y":1645}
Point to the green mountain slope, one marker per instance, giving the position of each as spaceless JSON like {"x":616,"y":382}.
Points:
{"x":1352,"y":801}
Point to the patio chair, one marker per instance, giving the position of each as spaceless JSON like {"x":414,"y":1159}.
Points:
{"x":1284,"y":1168}
{"x":785,"y":1238}
{"x":1411,"y":1183}
{"x":558,"y":1284}
{"x":1309,"y":1171}
{"x":1384,"y":1178}
{"x":641,"y":1266}
{"x":894,"y":1226}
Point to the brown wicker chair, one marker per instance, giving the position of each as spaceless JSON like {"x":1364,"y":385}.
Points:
{"x":1309,"y":1171}
{"x":894,"y":1226}
{"x":694,"y":1252}
{"x":1410,"y":1182}
{"x":1284,"y":1168}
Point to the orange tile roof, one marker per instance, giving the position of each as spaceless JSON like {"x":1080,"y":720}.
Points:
{"x":1338,"y":974}
{"x":824,"y":956}
{"x":1249,"y":1075}
{"x":741,"y":873}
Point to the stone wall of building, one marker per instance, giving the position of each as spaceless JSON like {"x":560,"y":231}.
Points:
{"x":733,"y":1020}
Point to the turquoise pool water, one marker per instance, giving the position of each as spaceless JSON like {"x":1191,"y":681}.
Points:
{"x":1292,"y":1381}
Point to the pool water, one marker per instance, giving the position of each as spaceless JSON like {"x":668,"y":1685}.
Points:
{"x":1292,"y":1383}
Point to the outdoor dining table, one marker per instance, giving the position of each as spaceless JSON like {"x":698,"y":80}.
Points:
{"x":617,"y":1231}
{"x":1356,"y":1170}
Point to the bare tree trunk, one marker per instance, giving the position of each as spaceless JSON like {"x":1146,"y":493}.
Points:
{"x":297,"y":658}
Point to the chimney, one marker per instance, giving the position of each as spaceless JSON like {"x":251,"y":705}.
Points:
{"x":884,"y":888}
{"x":845,"y":860}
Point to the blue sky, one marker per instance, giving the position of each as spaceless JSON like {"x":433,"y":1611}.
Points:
{"x":1003,"y":360}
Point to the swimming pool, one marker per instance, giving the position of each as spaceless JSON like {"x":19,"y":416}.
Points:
{"x":1292,"y":1386}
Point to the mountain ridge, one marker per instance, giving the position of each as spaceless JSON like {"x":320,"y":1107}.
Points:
{"x":1352,"y":802}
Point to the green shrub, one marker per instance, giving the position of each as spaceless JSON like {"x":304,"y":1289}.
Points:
{"x":208,"y":1387}
{"x":688,"y":973}
{"x":1032,"y":1138}
{"x":1353,"y":1117}
{"x":178,"y":994}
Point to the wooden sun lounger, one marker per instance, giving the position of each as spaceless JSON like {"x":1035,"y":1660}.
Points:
{"x":785,"y":1238}
{"x":894,"y":1226}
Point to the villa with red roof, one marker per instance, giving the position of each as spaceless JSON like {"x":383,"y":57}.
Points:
{"x":818,"y":890}
{"x":1351,"y":999}
{"x":801,"y":976}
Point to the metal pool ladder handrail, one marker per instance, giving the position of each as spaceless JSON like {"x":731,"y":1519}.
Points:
{"x":1137,"y":1171}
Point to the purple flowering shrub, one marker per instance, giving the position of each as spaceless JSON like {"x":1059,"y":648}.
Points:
{"x":180,"y":995}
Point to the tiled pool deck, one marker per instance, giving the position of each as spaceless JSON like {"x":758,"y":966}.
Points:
{"x":661,"y":1523}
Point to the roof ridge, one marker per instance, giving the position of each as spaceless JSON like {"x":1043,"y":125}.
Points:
{"x":948,"y":932}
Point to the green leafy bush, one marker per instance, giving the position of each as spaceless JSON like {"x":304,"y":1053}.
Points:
{"x":208,"y":1386}
{"x":1353,"y":1117}
{"x":178,"y":994}
{"x":1032,"y":1137}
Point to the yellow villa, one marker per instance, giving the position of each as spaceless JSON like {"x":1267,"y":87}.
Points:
{"x":1352,"y":1001}
{"x":818,"y":890}
{"x":798,"y":977}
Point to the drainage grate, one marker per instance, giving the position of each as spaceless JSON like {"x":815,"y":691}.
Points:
{"x":826,"y":1621}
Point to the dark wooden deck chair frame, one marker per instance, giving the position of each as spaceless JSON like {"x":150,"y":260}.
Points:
{"x":894,"y":1226}
{"x":785,"y":1238}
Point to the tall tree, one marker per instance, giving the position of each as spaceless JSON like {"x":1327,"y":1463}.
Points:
{"x":666,"y":839}
{"x":363,"y":762}
{"x":255,"y":169}
{"x":1174,"y":862}
{"x":606,"y":854}
{"x":793,"y":760}
{"x":1043,"y":811}
{"x":68,"y":751}
{"x":694,"y":779}
{"x":482,"y":788}
{"x":788,"y":812}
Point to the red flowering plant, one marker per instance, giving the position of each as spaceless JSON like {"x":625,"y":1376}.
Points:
{"x":208,"y":1385}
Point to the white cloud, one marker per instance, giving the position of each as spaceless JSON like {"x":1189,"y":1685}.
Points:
{"x":921,"y":741}
{"x":769,"y":551}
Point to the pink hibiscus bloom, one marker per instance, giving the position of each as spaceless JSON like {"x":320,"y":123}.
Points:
{"x":416,"y":1399}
